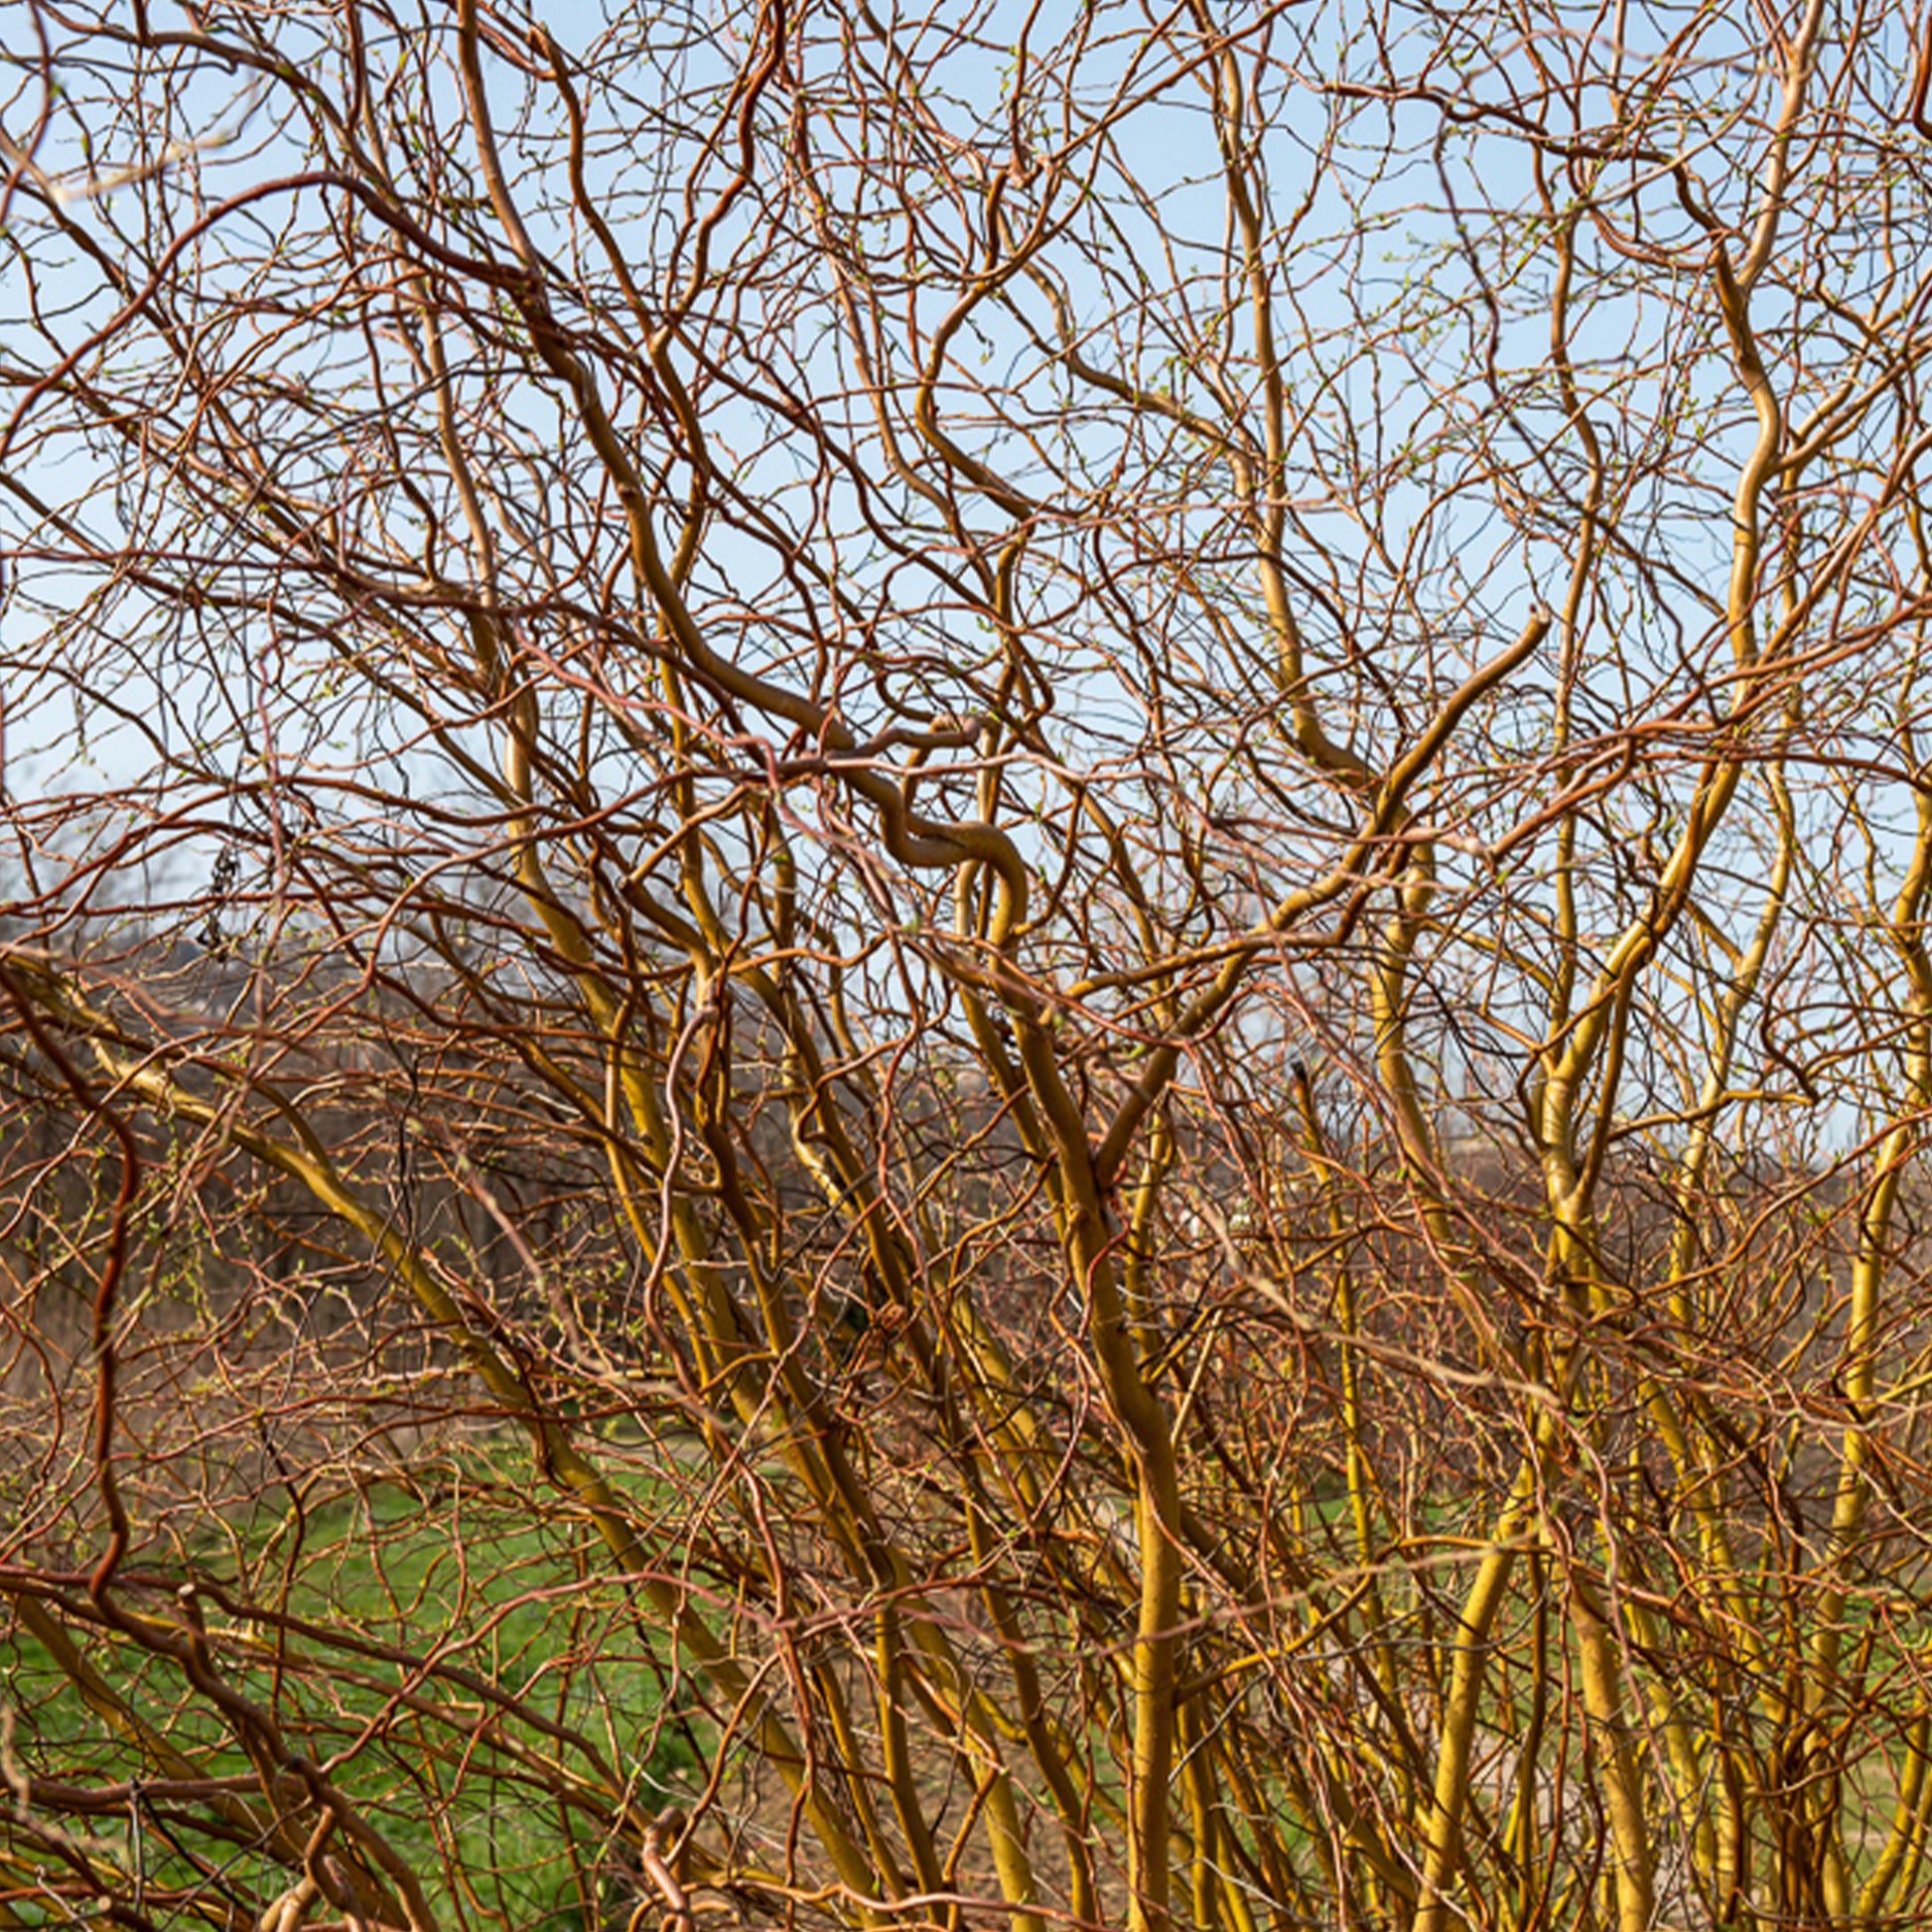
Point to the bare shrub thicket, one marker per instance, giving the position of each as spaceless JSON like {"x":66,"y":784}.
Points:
{"x":966,"y":968}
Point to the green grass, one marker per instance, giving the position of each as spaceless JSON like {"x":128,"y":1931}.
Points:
{"x":468,"y":1571}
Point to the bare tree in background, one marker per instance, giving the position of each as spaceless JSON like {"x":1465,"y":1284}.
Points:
{"x":965,"y":969}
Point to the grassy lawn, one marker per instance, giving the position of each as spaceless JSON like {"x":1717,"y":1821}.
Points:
{"x":448,"y":1647}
